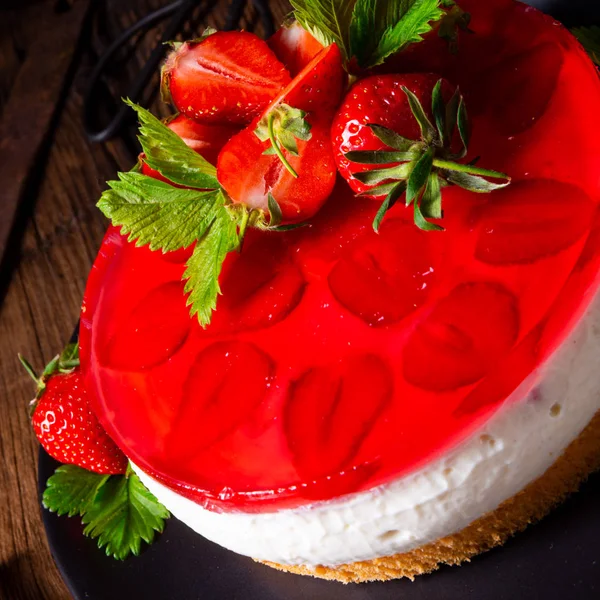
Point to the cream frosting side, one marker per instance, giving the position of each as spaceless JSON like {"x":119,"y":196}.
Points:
{"x":519,"y":442}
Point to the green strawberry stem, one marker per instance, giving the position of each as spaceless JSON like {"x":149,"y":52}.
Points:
{"x":275,"y":145}
{"x":424,"y":166}
{"x":453,"y":166}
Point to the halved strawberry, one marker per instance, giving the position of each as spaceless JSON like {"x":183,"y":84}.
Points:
{"x":294,"y":46}
{"x":154,"y":330}
{"x":533,"y":220}
{"x":226,"y":383}
{"x":383,"y":278}
{"x":260,"y":286}
{"x":226,"y":78}
{"x":249,"y":175}
{"x":522,"y":99}
{"x":330,"y":411}
{"x":462,"y":338}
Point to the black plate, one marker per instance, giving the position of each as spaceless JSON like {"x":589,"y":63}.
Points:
{"x":557,"y":559}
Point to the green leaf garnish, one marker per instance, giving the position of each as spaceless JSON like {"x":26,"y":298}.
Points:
{"x":204,"y":266}
{"x":368,"y":30}
{"x":590,"y":40}
{"x":327,"y":20}
{"x":423,"y":167}
{"x":153,"y":212}
{"x":123,"y":514}
{"x":282,"y":126}
{"x":167,"y":153}
{"x":379,"y":29}
{"x":71,"y":490}
{"x":395,"y":192}
{"x":117,"y":510}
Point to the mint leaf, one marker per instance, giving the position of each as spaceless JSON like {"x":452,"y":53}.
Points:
{"x":167,"y":153}
{"x":204,"y":266}
{"x":71,"y":490}
{"x":327,"y":20}
{"x":123,"y":514}
{"x":379,"y":29}
{"x":156,"y":213}
{"x":590,"y":40}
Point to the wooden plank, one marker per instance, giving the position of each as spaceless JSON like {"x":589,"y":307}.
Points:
{"x":37,"y":316}
{"x":33,"y":101}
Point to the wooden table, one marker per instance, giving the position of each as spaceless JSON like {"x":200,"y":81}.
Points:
{"x":52,"y":248}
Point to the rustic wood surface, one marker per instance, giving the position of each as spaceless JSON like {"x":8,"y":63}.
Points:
{"x":50,"y":252}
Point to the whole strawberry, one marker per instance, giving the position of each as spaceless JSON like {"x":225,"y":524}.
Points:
{"x":64,"y":423}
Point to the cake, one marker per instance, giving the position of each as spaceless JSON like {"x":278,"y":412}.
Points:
{"x":396,"y":384}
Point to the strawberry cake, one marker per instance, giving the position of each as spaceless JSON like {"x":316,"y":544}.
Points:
{"x":349,"y":326}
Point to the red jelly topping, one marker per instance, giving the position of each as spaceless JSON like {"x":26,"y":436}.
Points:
{"x":339,"y":359}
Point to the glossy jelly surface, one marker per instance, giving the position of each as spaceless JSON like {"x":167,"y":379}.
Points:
{"x":339,"y":359}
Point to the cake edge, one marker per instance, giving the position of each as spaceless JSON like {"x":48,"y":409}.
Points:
{"x":564,"y":477}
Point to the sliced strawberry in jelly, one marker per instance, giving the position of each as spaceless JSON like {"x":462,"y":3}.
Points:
{"x":383,"y":278}
{"x":152,"y":333}
{"x":462,"y":338}
{"x":261,"y":285}
{"x":225,"y":385}
{"x":528,"y":83}
{"x":531,"y":220}
{"x":505,"y":377}
{"x":330,"y":412}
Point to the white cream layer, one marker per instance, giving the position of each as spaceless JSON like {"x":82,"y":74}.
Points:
{"x":522,"y":439}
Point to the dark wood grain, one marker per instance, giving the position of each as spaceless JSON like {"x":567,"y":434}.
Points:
{"x":62,"y":232}
{"x":34,"y":99}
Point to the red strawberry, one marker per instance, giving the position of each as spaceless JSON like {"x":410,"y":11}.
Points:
{"x":65,"y":425}
{"x":249,"y":175}
{"x":228,"y":77}
{"x":378,"y":100}
{"x":294,"y":47}
{"x":207,"y":140}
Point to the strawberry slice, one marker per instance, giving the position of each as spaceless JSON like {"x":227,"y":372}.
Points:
{"x":533,"y":220}
{"x":294,"y":47}
{"x":260,"y":286}
{"x":462,"y":338}
{"x":228,"y":77}
{"x":331,"y":410}
{"x":248,"y":175}
{"x":152,"y":333}
{"x":383,"y":278}
{"x":522,"y":99}
{"x":226,"y":383}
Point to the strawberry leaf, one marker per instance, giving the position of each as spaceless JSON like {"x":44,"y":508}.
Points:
{"x":156,"y":213}
{"x":395,"y":192}
{"x":204,"y":266}
{"x":419,"y":177}
{"x":391,"y":138}
{"x":71,"y":490}
{"x":431,"y":203}
{"x":379,"y":29}
{"x":122,"y":515}
{"x":590,"y":40}
{"x":167,"y":153}
{"x":327,"y":20}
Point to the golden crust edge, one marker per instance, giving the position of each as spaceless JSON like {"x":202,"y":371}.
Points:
{"x":563,"y":477}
